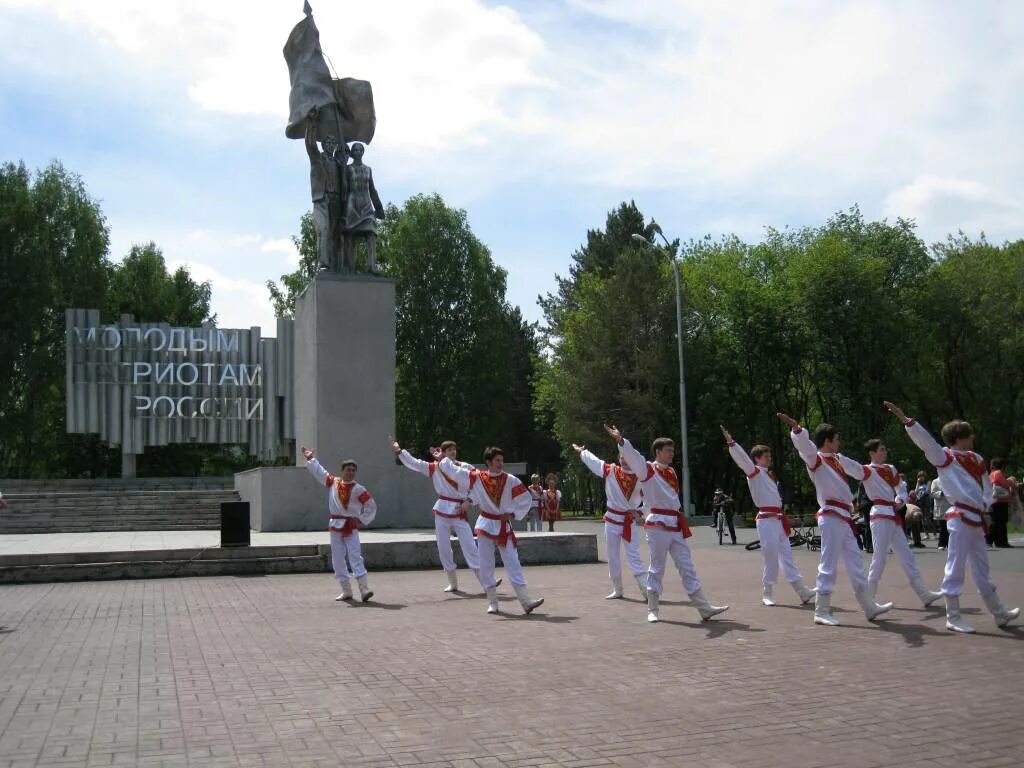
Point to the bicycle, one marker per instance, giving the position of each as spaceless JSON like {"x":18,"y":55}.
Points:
{"x":720,"y":523}
{"x":800,"y":535}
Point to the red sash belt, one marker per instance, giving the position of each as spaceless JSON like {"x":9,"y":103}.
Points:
{"x":776,"y":513}
{"x":955,"y":510}
{"x":882,"y":503}
{"x":505,"y":534}
{"x":626,"y":525}
{"x":681,"y":527}
{"x":832,"y":513}
{"x":351,"y":525}
{"x":893,"y":518}
{"x":460,"y":515}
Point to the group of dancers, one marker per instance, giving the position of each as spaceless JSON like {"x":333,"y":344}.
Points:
{"x":646,"y":493}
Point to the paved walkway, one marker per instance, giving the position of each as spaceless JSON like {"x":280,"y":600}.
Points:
{"x":270,"y":671}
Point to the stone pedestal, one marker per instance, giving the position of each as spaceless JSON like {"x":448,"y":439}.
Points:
{"x":344,"y":394}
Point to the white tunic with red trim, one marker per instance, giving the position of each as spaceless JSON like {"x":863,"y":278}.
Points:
{"x":346,"y":501}
{"x":883,"y":485}
{"x":449,"y":497}
{"x":764,"y":490}
{"x":495,"y":495}
{"x":964,"y":479}
{"x":828,"y":472}
{"x":660,"y":487}
{"x":622,"y":490}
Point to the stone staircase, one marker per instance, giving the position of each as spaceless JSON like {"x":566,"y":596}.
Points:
{"x":138,"y":504}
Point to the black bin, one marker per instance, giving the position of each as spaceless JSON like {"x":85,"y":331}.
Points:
{"x":234,"y":524}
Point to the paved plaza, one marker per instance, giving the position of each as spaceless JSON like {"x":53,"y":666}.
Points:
{"x":270,"y":671}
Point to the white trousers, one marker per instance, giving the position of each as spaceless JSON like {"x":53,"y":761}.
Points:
{"x":839,"y":543}
{"x":885,"y":534}
{"x":776,"y":549}
{"x":444,"y":527}
{"x":662,"y":544}
{"x":509,"y":556}
{"x":612,"y":540}
{"x":966,"y":546}
{"x":533,"y":521}
{"x":346,"y":549}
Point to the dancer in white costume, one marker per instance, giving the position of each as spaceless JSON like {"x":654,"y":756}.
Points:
{"x":666,"y":527}
{"x":828,"y":469}
{"x":969,"y":492}
{"x":449,"y":512}
{"x":350,"y":506}
{"x":772,"y":526}
{"x":501,"y":498}
{"x":887,"y":492}
{"x":624,"y":495}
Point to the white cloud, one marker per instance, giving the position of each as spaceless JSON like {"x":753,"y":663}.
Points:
{"x":283,"y":245}
{"x":237,"y":302}
{"x":943,"y":205}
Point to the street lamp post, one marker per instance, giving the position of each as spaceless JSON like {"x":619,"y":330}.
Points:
{"x":683,"y":442}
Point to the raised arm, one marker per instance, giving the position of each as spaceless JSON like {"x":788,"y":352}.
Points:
{"x":411,"y":462}
{"x":853,"y":468}
{"x":322,"y":475}
{"x":590,"y":461}
{"x":801,"y":440}
{"x":458,"y":472}
{"x":740,"y":456}
{"x":922,"y":438}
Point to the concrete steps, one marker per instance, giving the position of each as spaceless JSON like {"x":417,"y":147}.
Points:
{"x":75,"y":506}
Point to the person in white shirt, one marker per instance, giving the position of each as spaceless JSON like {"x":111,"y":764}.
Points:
{"x":828,"y":470}
{"x":940,"y":505}
{"x":350,"y":505}
{"x":887,"y":491}
{"x":772,"y":526}
{"x":535,"y":517}
{"x":968,"y":489}
{"x":501,"y":498}
{"x":449,"y":512}
{"x":666,"y":527}
{"x":624,"y":497}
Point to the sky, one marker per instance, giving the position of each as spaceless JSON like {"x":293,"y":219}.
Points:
{"x":535,"y":117}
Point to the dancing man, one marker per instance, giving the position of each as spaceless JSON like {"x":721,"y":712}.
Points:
{"x":449,"y":511}
{"x":969,"y":492}
{"x":623,"y":495}
{"x":501,"y":498}
{"x":884,"y":487}
{"x":828,"y":469}
{"x":772,"y":526}
{"x":350,"y":505}
{"x":666,"y":527}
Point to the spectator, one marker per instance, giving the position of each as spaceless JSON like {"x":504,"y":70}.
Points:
{"x":723,"y":502}
{"x":940,"y":505}
{"x":912,"y":515}
{"x":552,"y":501}
{"x":534,"y":518}
{"x":864,"y":507}
{"x":922,"y":491}
{"x":1002,"y":491}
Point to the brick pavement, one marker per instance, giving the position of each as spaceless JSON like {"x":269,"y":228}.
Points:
{"x":269,"y":671}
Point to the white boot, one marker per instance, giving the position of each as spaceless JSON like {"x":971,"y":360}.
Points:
{"x":365,"y":592}
{"x":927,"y":596}
{"x":453,"y":581}
{"x":823,"y":610}
{"x":492,"y":599}
{"x":872,"y":610}
{"x":707,"y":610}
{"x":998,"y":611}
{"x":806,"y":594}
{"x":641,"y":581}
{"x":954,"y":622}
{"x":652,"y":606}
{"x":616,"y":590}
{"x":346,"y":589}
{"x":525,"y":600}
{"x":766,"y":595}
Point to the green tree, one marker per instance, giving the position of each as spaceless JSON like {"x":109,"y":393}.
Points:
{"x":294,"y":283}
{"x":141,"y":286}
{"x":53,"y":255}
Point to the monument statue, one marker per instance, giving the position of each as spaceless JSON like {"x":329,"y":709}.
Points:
{"x":362,"y":209}
{"x":333,"y":111}
{"x":327,"y":187}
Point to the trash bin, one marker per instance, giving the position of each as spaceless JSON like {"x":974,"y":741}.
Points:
{"x":234,"y":524}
